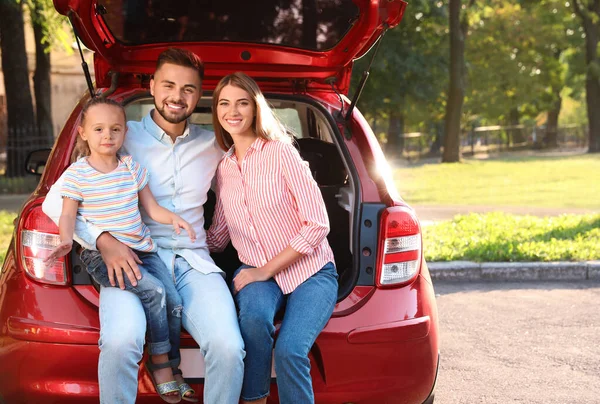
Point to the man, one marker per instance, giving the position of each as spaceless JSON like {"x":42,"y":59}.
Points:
{"x":181,"y":159}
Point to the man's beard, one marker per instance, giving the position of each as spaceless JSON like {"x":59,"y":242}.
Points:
{"x":170,"y":119}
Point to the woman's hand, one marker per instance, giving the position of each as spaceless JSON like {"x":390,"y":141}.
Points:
{"x":179,"y":223}
{"x":248,"y":275}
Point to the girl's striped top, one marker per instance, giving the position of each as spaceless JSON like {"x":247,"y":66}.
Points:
{"x":269,"y":202}
{"x":110,"y":200}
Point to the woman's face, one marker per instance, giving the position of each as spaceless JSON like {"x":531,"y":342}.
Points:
{"x":236,"y":111}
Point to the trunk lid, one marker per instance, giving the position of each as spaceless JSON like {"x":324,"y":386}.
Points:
{"x":287,"y":43}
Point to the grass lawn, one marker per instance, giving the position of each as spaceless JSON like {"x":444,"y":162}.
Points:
{"x":559,"y":182}
{"x":500,"y":237}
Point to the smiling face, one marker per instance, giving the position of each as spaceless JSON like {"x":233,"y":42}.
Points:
{"x":176,"y":91}
{"x":104,"y":130}
{"x":236,"y":111}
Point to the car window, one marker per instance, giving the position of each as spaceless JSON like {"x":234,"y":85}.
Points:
{"x":315,"y":24}
{"x":303,"y":121}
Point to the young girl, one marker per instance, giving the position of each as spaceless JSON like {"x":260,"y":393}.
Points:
{"x":272,"y":210}
{"x":104,"y":187}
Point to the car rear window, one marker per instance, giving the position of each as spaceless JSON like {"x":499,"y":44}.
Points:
{"x":308,"y":24}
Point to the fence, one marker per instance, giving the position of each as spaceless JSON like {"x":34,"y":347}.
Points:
{"x":15,"y":146}
{"x":486,"y":139}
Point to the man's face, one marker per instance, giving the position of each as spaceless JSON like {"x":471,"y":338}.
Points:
{"x":176,"y":91}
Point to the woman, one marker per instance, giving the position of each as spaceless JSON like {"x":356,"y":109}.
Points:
{"x":272,"y":210}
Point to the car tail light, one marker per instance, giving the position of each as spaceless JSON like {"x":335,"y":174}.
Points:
{"x":399,"y":252}
{"x":36,"y":237}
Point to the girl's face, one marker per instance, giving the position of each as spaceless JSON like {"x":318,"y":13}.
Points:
{"x":104,"y":130}
{"x":236,"y":111}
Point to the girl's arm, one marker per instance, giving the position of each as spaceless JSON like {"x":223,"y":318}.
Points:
{"x":66,"y":227}
{"x":162,"y":215}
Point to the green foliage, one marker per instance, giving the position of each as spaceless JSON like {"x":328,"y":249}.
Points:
{"x":559,"y":182}
{"x":410,"y":68}
{"x":515,"y":57}
{"x":499,"y":237}
{"x":6,"y":230}
{"x":55,"y":26}
{"x":520,"y":56}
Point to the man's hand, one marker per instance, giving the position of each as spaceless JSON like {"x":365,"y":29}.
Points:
{"x":59,"y":251}
{"x":119,"y":259}
{"x":248,"y":275}
{"x":179,"y":223}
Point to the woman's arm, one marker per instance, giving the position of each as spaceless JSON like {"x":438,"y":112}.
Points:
{"x":217,"y":236}
{"x":162,"y":215}
{"x":281,"y":261}
{"x":312,"y":212}
{"x":311,"y":207}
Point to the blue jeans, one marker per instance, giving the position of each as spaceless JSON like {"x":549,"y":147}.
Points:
{"x":160,"y":300}
{"x":307,"y":310}
{"x":208,"y":315}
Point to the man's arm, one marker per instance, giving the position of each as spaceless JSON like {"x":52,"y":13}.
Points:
{"x":86,"y":233}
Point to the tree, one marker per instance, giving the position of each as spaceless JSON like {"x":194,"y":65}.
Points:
{"x":407,"y":74}
{"x":589,"y":13}
{"x":41,"y":79}
{"x":456,"y":91}
{"x":20,"y":116}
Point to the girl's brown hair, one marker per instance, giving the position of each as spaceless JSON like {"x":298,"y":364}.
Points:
{"x":265,"y":125}
{"x":81,"y":147}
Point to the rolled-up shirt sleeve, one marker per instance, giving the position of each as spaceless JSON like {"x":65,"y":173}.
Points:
{"x":311,"y":207}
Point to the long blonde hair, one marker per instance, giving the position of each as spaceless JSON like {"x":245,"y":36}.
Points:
{"x":265,"y":125}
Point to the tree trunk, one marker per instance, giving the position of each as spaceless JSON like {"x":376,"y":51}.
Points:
{"x":41,"y":80}
{"x":515,"y":135}
{"x":456,"y":91}
{"x":436,"y":145}
{"x":592,"y":85}
{"x":20,"y":117}
{"x":395,"y":140}
{"x":551,"y":137}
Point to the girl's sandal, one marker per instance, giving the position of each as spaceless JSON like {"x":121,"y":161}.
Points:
{"x":164,"y":388}
{"x":185,"y":388}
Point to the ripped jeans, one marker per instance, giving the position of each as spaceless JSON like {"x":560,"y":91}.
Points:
{"x":160,"y":299}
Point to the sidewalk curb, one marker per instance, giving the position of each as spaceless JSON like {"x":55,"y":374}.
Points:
{"x":514,"y":271}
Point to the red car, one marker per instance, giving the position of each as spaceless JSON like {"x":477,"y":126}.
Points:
{"x":381,"y":345}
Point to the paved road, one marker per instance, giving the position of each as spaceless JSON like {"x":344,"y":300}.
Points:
{"x":519,"y":343}
{"x":12,"y":202}
{"x":428,"y":213}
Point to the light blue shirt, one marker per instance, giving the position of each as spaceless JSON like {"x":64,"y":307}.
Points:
{"x":181,"y":174}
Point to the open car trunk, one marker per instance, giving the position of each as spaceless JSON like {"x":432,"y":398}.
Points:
{"x":319,"y":144}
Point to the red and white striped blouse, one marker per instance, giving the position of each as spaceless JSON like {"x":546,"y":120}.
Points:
{"x":268,"y":203}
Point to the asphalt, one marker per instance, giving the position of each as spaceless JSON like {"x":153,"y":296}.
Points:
{"x":466,"y":271}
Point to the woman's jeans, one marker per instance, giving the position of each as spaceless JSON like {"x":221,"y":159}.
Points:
{"x":208,"y":315}
{"x":160,"y":300}
{"x":307,"y":310}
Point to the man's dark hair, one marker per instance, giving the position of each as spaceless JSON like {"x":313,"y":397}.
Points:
{"x":181,"y":57}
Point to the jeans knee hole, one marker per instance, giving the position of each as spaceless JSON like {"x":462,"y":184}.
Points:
{"x":177,"y":311}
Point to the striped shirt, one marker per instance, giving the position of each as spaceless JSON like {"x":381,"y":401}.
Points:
{"x":110,"y":200}
{"x":267,"y":203}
